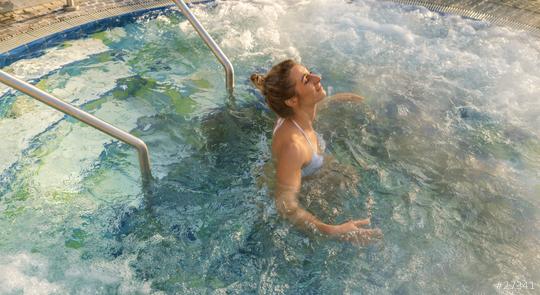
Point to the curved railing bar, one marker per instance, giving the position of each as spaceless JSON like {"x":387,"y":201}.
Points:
{"x":44,"y":97}
{"x":229,"y":70}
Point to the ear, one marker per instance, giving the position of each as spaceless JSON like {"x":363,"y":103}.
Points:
{"x":293,"y":101}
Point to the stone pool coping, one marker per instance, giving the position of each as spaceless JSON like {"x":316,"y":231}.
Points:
{"x":517,"y":14}
{"x":70,"y":25}
{"x":21,"y":32}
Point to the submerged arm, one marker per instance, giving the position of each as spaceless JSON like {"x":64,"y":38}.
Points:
{"x":343,"y":96}
{"x":288,"y":172}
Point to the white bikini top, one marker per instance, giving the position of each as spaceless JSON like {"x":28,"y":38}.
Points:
{"x":316,"y":159}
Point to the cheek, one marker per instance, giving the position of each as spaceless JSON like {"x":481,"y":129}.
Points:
{"x":308,"y":89}
{"x":301,"y":90}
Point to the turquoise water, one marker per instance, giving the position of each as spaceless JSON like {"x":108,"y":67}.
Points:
{"x":444,"y":155}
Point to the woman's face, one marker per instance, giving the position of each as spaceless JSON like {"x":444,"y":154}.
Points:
{"x":307,"y":85}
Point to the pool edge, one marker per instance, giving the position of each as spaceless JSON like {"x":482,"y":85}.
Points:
{"x":482,"y":14}
{"x":24,"y":44}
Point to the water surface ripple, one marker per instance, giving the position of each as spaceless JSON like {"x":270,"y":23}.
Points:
{"x":443,"y":155}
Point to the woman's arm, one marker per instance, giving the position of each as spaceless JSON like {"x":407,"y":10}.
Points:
{"x":288,"y":172}
{"x":345,"y":96}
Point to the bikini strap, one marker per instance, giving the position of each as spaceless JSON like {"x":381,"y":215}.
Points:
{"x":305,"y":135}
{"x":278,"y":124}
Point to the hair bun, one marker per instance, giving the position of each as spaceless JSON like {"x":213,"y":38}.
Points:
{"x":258,"y":81}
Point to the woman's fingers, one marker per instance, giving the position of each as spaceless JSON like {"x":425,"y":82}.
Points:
{"x":361,"y":222}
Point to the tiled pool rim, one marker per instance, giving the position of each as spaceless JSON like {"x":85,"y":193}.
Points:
{"x":36,"y":47}
{"x":491,"y":17}
{"x":104,"y":20}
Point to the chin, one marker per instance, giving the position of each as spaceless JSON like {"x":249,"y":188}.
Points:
{"x":323,"y":94}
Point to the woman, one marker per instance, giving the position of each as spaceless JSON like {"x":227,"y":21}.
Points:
{"x":293,"y":93}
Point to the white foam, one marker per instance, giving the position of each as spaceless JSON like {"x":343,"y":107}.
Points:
{"x":438,"y":62}
{"x":245,"y":29}
{"x":26,"y":273}
{"x":163,"y":18}
{"x":116,"y":34}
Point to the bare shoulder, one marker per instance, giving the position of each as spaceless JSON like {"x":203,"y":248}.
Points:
{"x":290,"y":151}
{"x":287,"y":147}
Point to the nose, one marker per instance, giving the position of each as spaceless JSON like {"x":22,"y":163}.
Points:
{"x":315,"y":78}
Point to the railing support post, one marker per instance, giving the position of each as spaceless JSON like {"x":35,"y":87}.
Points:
{"x":229,"y":70}
{"x":71,"y":5}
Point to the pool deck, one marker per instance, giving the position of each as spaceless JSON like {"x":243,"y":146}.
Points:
{"x":519,"y":14}
{"x":23,"y":21}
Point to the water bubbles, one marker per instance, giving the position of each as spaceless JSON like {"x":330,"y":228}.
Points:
{"x":329,"y":91}
{"x":369,"y":204}
{"x":448,"y":124}
{"x":26,"y":273}
{"x":164,"y":19}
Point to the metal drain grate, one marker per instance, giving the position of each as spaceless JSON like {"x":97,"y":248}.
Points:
{"x":494,"y":19}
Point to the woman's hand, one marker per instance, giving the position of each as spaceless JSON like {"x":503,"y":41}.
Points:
{"x":352,"y":231}
{"x":347,"y":227}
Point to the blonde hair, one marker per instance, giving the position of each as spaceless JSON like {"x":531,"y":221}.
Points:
{"x":277,"y":86}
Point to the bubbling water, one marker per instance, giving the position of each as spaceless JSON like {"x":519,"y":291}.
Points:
{"x":443,"y":155}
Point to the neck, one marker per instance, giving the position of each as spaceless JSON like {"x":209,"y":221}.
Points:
{"x":305,"y":117}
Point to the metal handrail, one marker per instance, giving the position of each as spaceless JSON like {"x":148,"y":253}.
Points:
{"x":68,"y":109}
{"x":229,"y":70}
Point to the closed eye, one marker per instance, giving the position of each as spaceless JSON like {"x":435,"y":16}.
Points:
{"x":305,"y":78}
